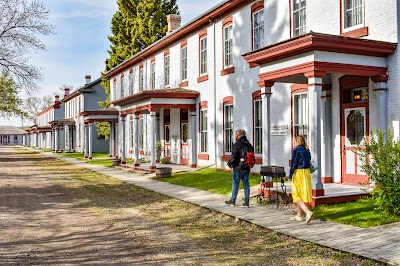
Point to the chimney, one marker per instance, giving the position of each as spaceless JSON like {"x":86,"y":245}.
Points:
{"x":174,"y":22}
{"x":57,"y":99}
{"x":88,"y":78}
{"x":66,"y":92}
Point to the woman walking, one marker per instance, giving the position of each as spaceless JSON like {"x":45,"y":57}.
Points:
{"x":301,"y":179}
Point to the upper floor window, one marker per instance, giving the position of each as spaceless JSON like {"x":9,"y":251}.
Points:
{"x":203,"y":130}
{"x":141,"y":79}
{"x":166,"y":70}
{"x":352,"y":13}
{"x":203,"y":56}
{"x":131,"y":81}
{"x":184,"y":63}
{"x":258,"y":29}
{"x":153,"y":76}
{"x":228,"y":42}
{"x":300,"y":115}
{"x":114,"y":89}
{"x":122,"y":87}
{"x":228,"y":127}
{"x":299,"y":17}
{"x":258,"y":126}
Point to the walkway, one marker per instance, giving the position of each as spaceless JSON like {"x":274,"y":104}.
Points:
{"x":379,"y":243}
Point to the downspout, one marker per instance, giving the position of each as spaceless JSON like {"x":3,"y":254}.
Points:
{"x":215,"y":96}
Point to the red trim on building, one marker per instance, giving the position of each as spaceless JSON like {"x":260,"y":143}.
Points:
{"x":227,"y":21}
{"x":152,"y":60}
{"x":257,"y":6}
{"x":202,"y":78}
{"x":203,"y":156}
{"x":203,"y":34}
{"x":203,"y":104}
{"x":256,"y":95}
{"x":227,"y":71}
{"x":184,"y":84}
{"x":227,"y":100}
{"x":155,"y":107}
{"x":342,"y":30}
{"x":183,"y":43}
{"x":226,"y":157}
{"x":361,"y":32}
{"x":166,"y":52}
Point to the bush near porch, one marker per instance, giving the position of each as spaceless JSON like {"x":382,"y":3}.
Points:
{"x":381,"y":161}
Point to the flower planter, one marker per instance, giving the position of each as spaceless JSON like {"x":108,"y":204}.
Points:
{"x":163,"y":172}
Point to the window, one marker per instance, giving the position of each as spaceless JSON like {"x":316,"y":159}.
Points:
{"x":203,"y":131}
{"x":184,"y":63}
{"x":141,"y":80}
{"x":258,"y":29}
{"x":228,"y":127}
{"x":300,"y":115}
{"x":203,"y":56}
{"x":153,"y":76}
{"x":166,"y":70}
{"x":141,"y":134}
{"x":258,"y":126}
{"x":114,"y":89}
{"x":299,"y":17}
{"x":122,"y":87}
{"x":353,"y":13}
{"x":228,"y":41}
{"x":131,"y":81}
{"x":132,"y":135}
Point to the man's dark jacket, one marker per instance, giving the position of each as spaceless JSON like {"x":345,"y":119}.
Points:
{"x":240,"y":147}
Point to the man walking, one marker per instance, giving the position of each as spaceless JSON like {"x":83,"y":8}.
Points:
{"x":240,"y":169}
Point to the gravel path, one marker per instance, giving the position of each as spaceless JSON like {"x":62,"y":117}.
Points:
{"x":41,"y":225}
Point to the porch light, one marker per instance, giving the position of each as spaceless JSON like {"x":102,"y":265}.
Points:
{"x":357,"y":97}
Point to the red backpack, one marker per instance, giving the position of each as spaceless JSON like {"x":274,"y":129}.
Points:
{"x":249,"y":159}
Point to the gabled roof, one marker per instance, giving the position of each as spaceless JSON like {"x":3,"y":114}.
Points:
{"x":88,"y":88}
{"x":10,"y":130}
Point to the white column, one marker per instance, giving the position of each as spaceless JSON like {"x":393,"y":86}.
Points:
{"x":37,"y":139}
{"x":52,"y":139}
{"x":111,"y":139}
{"x":136,"y":140}
{"x":86,"y":140}
{"x":266,"y":122}
{"x":381,"y":101}
{"x":314,"y":129}
{"x":192,"y":140}
{"x":326,"y":155}
{"x":90,"y":140}
{"x":56,"y":137}
{"x":116,"y":143}
{"x":123,"y":144}
{"x":152,"y":144}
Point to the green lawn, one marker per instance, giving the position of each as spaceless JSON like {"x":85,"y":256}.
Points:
{"x":99,"y":158}
{"x":210,"y":179}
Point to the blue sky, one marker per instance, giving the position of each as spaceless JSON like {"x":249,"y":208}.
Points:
{"x":80,"y":44}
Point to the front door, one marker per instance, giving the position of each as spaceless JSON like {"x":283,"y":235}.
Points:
{"x":355,"y":131}
{"x":184,"y":144}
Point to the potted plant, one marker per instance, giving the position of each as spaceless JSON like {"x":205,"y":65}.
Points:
{"x":158,"y":151}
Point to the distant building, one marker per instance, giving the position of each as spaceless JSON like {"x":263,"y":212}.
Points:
{"x":10,"y":135}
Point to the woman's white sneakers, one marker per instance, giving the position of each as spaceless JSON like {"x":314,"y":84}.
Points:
{"x":309,"y":216}
{"x":296,"y":218}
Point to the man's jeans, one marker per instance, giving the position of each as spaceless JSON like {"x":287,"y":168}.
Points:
{"x":235,"y":186}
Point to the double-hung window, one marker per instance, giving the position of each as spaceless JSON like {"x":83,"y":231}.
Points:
{"x":203,"y":56}
{"x":258,"y":29}
{"x":228,"y":127}
{"x":141,"y":79}
{"x":141,"y":133}
{"x":258,"y":126}
{"x":353,"y":13}
{"x":203,"y":131}
{"x":166,"y":70}
{"x":184,"y":63}
{"x":300,"y":115}
{"x":114,"y":92}
{"x":122,"y":87}
{"x":131,"y":81}
{"x":299,"y":17}
{"x":153,"y":76}
{"x":228,"y":43}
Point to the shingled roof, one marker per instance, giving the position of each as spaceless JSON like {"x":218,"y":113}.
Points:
{"x":10,"y":130}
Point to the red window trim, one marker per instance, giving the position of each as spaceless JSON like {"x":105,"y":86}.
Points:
{"x":256,"y":96}
{"x":166,"y":52}
{"x":202,"y":105}
{"x":228,"y":100}
{"x":152,"y":60}
{"x":352,"y":33}
{"x":122,"y":75}
{"x":184,"y":84}
{"x":203,"y":156}
{"x":225,"y":23}
{"x":131,"y":71}
{"x":255,"y":8}
{"x":227,"y":71}
{"x":202,"y":35}
{"x":202,"y":78}
{"x":357,"y":33}
{"x":141,"y":65}
{"x":183,"y":43}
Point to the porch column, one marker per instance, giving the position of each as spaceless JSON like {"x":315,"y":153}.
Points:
{"x":56,"y":136}
{"x":326,"y":159}
{"x":381,"y":101}
{"x":111,"y":140}
{"x":314,"y":118}
{"x":116,"y":143}
{"x":86,"y":140}
{"x":136,"y":139}
{"x":70,"y":132}
{"x":123,"y":144}
{"x":266,"y":120}
{"x":90,"y":140}
{"x":193,"y":141}
{"x":37,"y":140}
{"x":152,"y":143}
{"x":52,"y":139}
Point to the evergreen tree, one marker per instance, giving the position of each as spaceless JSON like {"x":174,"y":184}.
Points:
{"x":136,"y":25}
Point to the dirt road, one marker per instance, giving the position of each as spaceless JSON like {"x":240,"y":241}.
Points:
{"x":40,"y":224}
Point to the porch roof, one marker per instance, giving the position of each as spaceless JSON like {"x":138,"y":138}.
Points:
{"x":177,"y":93}
{"x":314,"y":41}
{"x":68,"y":121}
{"x":100,"y":115}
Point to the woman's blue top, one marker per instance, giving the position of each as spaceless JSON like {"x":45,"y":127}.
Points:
{"x":301,"y":158}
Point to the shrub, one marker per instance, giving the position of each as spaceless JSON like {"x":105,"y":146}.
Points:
{"x":381,"y":161}
{"x":165,"y":160}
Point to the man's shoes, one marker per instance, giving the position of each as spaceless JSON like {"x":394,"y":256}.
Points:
{"x":230,"y":203}
{"x":246,"y":205}
{"x":309,"y":216}
{"x":296,"y":219}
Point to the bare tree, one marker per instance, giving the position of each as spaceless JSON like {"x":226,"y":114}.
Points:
{"x":34,"y":105}
{"x":21,"y":22}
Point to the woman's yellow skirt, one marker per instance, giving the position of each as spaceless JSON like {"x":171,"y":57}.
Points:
{"x":301,"y":185}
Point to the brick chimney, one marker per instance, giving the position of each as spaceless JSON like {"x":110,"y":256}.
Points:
{"x":66,"y":92}
{"x":56,"y":99}
{"x":174,"y":22}
{"x":88,"y":78}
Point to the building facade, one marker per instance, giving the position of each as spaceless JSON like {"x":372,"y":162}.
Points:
{"x":327,"y":70}
{"x":10,"y":135}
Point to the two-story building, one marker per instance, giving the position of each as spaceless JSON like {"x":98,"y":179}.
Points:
{"x":327,"y":70}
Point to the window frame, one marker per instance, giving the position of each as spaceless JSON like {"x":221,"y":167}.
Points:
{"x":153,"y":75}
{"x":257,"y":126}
{"x":261,"y":25}
{"x":302,"y":28}
{"x":141,"y":79}
{"x":346,"y":28}
{"x":122,"y":89}
{"x":203,"y":56}
{"x":167,"y":70}
{"x":184,"y":76}
{"x":303,"y":107}
{"x":203,"y":128}
{"x":228,"y":46}
{"x":131,"y":81}
{"x":228,"y":131}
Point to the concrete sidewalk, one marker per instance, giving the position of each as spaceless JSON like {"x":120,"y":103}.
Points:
{"x":379,"y":243}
